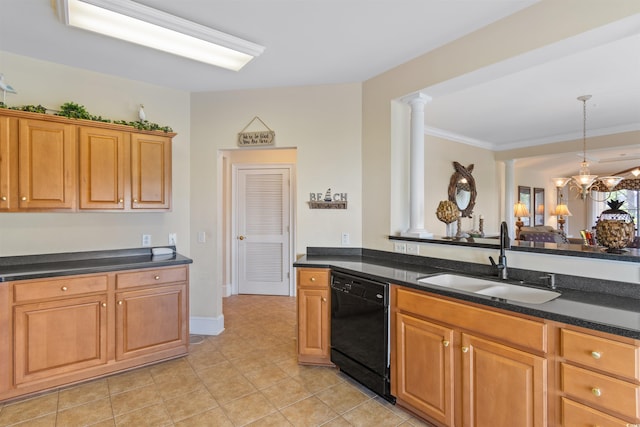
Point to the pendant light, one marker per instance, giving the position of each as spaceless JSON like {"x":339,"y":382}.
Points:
{"x":584,"y":180}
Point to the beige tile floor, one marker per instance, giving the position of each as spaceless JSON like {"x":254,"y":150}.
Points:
{"x":246,"y":376}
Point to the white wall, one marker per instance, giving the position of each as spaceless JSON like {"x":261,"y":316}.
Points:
{"x":51,"y":85}
{"x":323,"y":123}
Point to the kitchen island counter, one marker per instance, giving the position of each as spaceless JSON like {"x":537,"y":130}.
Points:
{"x":607,"y":312}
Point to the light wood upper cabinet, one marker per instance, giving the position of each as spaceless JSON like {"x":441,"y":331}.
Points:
{"x":5,"y":167}
{"x":47,"y":165}
{"x":104,"y":156}
{"x":51,"y":163}
{"x":150,"y":172}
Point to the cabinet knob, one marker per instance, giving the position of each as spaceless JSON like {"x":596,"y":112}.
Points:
{"x":324,"y":299}
{"x":23,"y":198}
{"x":119,"y":302}
{"x":445,"y":343}
{"x":596,"y":392}
{"x":4,"y":198}
{"x":313,"y":279}
{"x":135,"y":200}
{"x":157,"y":277}
{"x":465,"y":349}
{"x":596,"y":354}
{"x":104,"y":304}
{"x":120,"y":200}
{"x":241,"y":237}
{"x":64,"y":288}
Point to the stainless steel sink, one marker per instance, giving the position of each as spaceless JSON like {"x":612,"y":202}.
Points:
{"x":492,"y":288}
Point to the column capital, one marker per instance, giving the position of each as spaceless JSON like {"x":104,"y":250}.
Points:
{"x":416,"y":98}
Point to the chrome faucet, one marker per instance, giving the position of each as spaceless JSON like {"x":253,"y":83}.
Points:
{"x":501,"y":266}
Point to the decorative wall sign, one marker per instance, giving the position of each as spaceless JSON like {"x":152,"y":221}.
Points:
{"x":256,"y":138}
{"x":328,"y":201}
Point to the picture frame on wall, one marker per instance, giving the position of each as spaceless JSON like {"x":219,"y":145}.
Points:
{"x":538,"y":206}
{"x":524,"y":196}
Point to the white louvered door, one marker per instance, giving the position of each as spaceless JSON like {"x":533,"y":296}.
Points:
{"x":262,"y":231}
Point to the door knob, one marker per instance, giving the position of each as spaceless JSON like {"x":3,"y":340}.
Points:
{"x":4,"y":198}
{"x":241,"y":237}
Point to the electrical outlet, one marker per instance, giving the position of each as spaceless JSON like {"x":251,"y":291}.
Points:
{"x":345,"y":239}
{"x":400,"y":247}
{"x":412,"y":248}
{"x":146,"y":240}
{"x":173,"y":239}
{"x":202,"y":237}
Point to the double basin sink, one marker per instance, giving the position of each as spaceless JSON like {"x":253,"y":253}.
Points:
{"x":491,"y":288}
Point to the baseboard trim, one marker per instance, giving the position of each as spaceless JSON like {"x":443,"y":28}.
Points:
{"x":206,"y":325}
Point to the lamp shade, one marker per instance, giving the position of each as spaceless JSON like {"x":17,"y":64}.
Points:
{"x":520,"y":210}
{"x":562,"y":210}
{"x":610,"y":181}
{"x":560,"y":181}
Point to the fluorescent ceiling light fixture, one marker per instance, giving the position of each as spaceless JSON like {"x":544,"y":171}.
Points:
{"x":136,"y":23}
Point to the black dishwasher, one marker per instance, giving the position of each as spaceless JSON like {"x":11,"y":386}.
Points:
{"x":360,"y":330}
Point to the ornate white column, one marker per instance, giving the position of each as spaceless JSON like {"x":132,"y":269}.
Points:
{"x":417,"y":102}
{"x":509,"y":198}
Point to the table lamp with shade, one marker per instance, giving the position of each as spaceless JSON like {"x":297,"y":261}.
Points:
{"x":561,"y":212}
{"x":519,"y":210}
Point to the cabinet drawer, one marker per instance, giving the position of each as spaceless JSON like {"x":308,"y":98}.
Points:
{"x":607,"y":355}
{"x":516,"y":330}
{"x":600,"y":390}
{"x":577,"y":415}
{"x":42,"y":289}
{"x":152,"y":276}
{"x":313,"y":277}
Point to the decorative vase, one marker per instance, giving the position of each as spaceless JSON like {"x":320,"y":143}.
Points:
{"x":615,"y":228}
{"x":448,"y":213}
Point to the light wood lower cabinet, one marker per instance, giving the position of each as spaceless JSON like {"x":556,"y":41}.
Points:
{"x":456,"y":364}
{"x":151,"y":320}
{"x":314,"y":305}
{"x":72,"y":328}
{"x":57,"y":337}
{"x":599,"y":379}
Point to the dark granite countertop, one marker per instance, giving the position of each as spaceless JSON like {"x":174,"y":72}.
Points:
{"x":615,"y":314}
{"x":65,"y":264}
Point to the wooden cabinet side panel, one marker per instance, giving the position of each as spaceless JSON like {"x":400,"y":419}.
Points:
{"x":54,"y":338}
{"x":151,"y":320}
{"x":6,"y":346}
{"x":150,"y":172}
{"x":47,"y":169}
{"x":102,"y":168}
{"x":502,"y":386}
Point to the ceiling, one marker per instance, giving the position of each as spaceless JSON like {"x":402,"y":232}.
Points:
{"x":525,"y":101}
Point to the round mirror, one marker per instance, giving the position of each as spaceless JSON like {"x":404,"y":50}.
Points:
{"x":462,"y":189}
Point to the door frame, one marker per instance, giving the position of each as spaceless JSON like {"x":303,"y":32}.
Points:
{"x":233,"y":246}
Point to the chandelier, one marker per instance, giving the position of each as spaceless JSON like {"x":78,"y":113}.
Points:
{"x":584,"y":180}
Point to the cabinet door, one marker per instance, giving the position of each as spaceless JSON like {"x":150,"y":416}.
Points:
{"x":151,"y":320}
{"x":423,"y":373}
{"x":150,"y":172}
{"x":59,"y":337}
{"x":103,"y":157}
{"x":502,"y":386}
{"x":313,"y":326}
{"x":5,"y":201}
{"x":47,"y":165}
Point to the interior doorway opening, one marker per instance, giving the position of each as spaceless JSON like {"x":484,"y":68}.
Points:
{"x":263,"y":258}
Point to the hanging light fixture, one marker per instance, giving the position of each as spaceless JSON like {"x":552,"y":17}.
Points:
{"x":584,"y":180}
